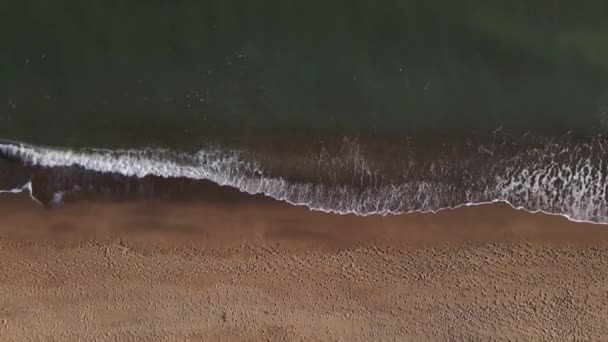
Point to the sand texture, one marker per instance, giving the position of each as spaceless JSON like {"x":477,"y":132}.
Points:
{"x":259,"y":270}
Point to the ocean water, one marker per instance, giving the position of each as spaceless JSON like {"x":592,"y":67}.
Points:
{"x":362,"y":107}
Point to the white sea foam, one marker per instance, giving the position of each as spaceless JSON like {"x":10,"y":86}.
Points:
{"x":26,"y":187}
{"x":575,"y":190}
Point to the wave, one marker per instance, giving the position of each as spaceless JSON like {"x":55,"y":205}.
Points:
{"x":562,"y":178}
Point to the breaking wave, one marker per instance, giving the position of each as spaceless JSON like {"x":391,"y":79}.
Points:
{"x":568,"y":179}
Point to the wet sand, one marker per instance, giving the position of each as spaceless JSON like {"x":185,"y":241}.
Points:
{"x":247,"y":268}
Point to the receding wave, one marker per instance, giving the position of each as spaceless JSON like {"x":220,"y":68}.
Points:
{"x":555,"y":177}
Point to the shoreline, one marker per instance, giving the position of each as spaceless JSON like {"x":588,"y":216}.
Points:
{"x":556,"y":189}
{"x":465,"y":224}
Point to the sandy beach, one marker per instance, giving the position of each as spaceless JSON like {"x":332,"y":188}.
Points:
{"x":253,"y":269}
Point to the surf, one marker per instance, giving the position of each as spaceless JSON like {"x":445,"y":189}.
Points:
{"x":569,"y":184}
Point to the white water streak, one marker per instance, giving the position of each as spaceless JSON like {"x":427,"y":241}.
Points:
{"x":520,"y":188}
{"x":26,"y":187}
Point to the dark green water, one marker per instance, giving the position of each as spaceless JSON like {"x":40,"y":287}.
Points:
{"x":174,"y":73}
{"x":364,"y":107}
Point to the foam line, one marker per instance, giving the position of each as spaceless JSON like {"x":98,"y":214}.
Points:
{"x":532,"y":189}
{"x":26,"y":187}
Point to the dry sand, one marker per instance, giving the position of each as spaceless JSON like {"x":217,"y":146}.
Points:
{"x":260,"y":270}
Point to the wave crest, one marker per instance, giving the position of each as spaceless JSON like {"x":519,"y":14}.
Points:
{"x":556,"y":178}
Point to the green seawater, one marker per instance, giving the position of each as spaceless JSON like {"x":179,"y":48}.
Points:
{"x":181,"y":73}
